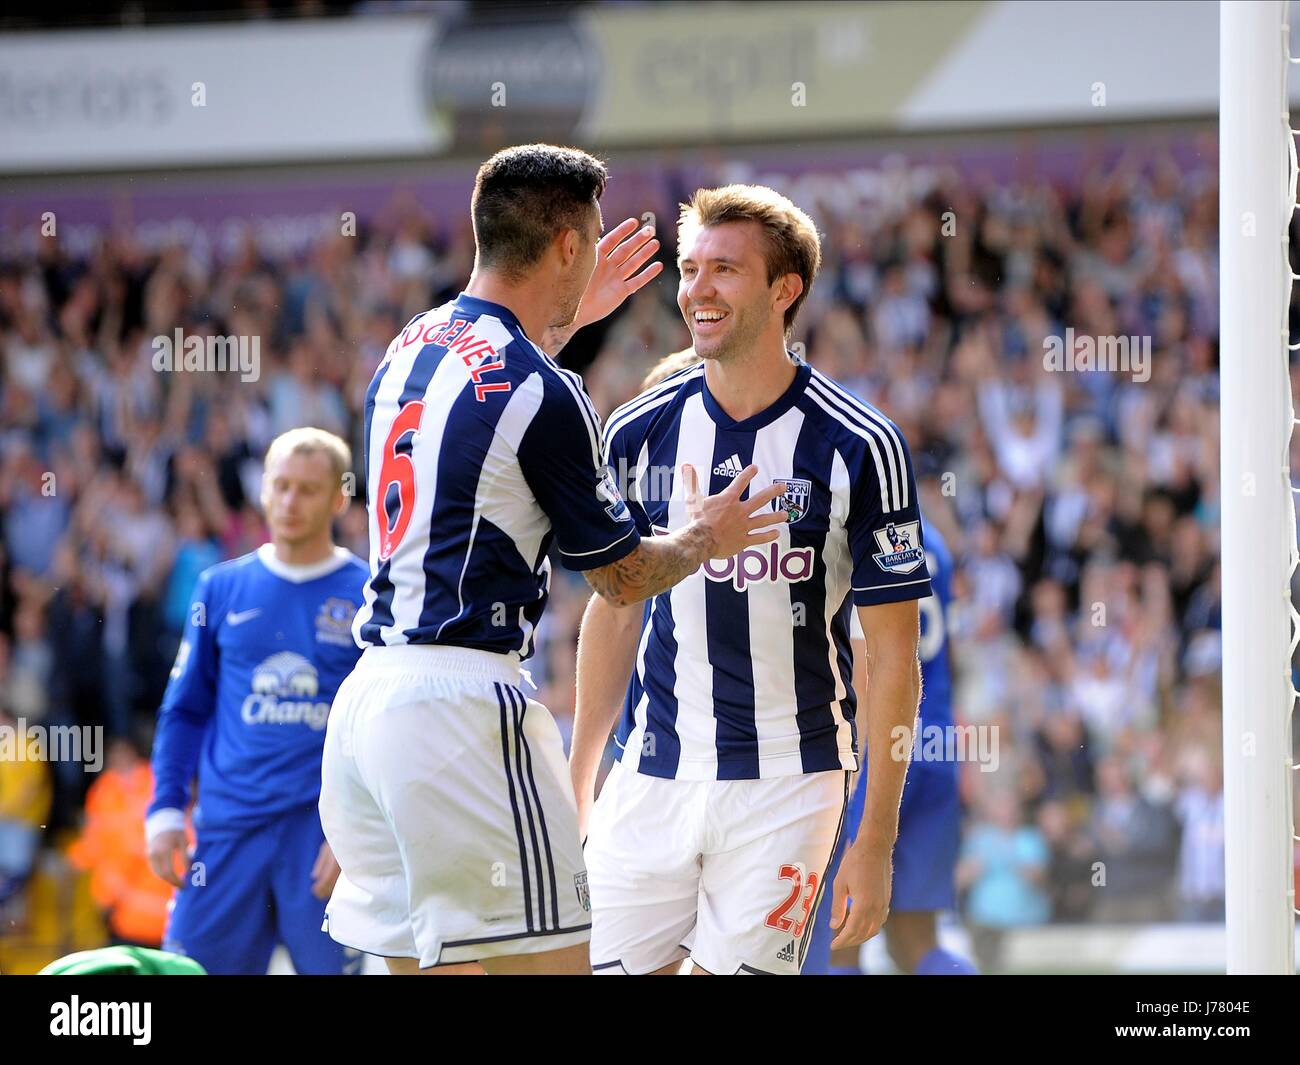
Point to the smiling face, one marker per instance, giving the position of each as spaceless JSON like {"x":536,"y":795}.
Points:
{"x":724,"y":293}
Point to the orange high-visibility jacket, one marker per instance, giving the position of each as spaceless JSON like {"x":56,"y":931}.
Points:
{"x":112,"y":848}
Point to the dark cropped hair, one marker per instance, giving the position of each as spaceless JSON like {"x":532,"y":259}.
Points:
{"x":524,"y":195}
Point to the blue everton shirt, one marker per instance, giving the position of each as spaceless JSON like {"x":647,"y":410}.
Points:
{"x":266,"y":646}
{"x":936,"y":665}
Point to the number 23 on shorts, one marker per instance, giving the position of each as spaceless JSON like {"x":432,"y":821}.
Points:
{"x":791,"y":916}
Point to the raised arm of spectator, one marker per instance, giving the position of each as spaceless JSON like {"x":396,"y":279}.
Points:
{"x":992,"y":400}
{"x":207,"y":493}
{"x":1049,"y":415}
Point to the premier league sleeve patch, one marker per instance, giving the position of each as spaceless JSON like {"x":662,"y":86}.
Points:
{"x":900,"y":547}
{"x":607,"y":489}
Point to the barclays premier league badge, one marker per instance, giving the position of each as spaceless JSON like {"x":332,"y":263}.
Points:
{"x":607,"y":489}
{"x":900,"y":547}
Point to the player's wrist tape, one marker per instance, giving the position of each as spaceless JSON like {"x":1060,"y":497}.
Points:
{"x":165,"y":820}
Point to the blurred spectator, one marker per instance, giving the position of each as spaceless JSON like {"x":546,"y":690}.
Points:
{"x":1070,"y":870}
{"x":994,"y":579}
{"x":1135,"y":840}
{"x":1064,"y":754}
{"x":35,"y":515}
{"x":111,"y":847}
{"x":1201,"y":858}
{"x":194,"y":553}
{"x":24,"y":804}
{"x":1003,"y":866}
{"x":1023,"y":422}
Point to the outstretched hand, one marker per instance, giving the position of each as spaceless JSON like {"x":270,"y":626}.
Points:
{"x":621,"y":270}
{"x":735,"y":524}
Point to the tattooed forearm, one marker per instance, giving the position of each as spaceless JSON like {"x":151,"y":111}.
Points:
{"x":656,"y":565}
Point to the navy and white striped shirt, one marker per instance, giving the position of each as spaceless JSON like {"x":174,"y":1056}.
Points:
{"x":744,"y":669}
{"x":480,"y":451}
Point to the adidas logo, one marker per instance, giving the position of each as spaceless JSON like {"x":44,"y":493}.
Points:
{"x":731,"y":467}
{"x":787,"y":954}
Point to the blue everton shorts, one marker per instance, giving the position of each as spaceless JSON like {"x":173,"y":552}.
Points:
{"x":246,"y":892}
{"x":925,"y":857}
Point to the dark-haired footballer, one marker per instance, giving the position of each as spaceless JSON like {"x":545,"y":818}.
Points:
{"x":445,"y":795}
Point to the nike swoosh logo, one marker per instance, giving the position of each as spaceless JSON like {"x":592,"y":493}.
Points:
{"x":243,"y":615}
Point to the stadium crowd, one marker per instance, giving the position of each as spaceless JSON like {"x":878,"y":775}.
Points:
{"x":1081,"y":506}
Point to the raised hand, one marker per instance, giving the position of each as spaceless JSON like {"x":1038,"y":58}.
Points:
{"x":621,"y":270}
{"x":734,"y":523}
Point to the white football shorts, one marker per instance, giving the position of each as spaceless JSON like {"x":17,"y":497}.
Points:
{"x":728,"y":871}
{"x":446,"y":798}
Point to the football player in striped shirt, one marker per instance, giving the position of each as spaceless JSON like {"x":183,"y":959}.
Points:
{"x":713,"y":831}
{"x":929,"y":818}
{"x":445,"y":794}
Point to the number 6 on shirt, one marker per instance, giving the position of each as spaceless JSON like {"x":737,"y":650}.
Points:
{"x":397,"y":470}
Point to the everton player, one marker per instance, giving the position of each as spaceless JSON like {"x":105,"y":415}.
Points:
{"x":713,"y":831}
{"x":267,"y":642}
{"x":929,"y":821}
{"x":445,"y":792}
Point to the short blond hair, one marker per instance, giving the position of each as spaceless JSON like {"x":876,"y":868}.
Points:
{"x":669,"y":365}
{"x":311,"y":441}
{"x":792,"y":243}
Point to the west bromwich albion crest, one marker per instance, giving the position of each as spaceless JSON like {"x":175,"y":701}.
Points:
{"x":795,"y":501}
{"x":900,"y":547}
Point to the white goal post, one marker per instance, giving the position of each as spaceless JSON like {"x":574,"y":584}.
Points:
{"x":1256,"y":183}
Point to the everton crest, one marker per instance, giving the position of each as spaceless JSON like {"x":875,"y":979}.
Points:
{"x":334,"y":621}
